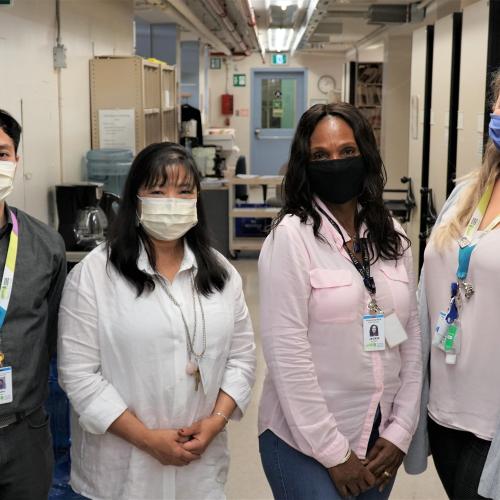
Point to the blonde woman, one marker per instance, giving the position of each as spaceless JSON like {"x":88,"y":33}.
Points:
{"x":459,"y":295}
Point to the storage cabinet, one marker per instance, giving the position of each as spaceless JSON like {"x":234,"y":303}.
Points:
{"x":237,"y":243}
{"x":133,"y":83}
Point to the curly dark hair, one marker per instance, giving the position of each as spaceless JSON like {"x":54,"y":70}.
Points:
{"x":385,"y":241}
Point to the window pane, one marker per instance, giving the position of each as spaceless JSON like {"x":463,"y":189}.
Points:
{"x":278,"y":103}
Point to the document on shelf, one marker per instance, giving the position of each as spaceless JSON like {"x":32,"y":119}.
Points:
{"x":117,"y":128}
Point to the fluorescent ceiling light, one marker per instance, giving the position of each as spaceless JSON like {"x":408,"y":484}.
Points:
{"x":279,"y":39}
{"x":283,"y":3}
{"x":270,"y":44}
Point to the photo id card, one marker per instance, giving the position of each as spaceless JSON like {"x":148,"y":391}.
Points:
{"x":395,"y":334}
{"x":373,"y":332}
{"x":5,"y":385}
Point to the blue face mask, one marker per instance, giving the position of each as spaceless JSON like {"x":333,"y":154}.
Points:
{"x":495,"y":130}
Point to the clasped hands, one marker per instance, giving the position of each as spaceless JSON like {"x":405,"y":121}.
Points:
{"x":356,"y":476}
{"x":182,"y":446}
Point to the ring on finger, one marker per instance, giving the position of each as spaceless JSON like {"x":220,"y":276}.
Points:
{"x":387,"y":474}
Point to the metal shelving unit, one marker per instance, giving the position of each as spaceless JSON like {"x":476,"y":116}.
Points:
{"x":249,"y":243}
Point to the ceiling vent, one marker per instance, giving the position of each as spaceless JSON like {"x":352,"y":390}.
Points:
{"x":329,"y":28}
{"x":389,"y":14}
{"x":282,"y":18}
{"x":395,"y":14}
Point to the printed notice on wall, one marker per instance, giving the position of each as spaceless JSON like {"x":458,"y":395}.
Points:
{"x":117,"y":128}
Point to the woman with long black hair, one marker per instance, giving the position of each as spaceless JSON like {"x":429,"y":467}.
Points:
{"x":156,"y":347}
{"x":339,"y":406}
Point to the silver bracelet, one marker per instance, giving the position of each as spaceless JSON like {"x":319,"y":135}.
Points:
{"x":220,"y":414}
{"x":346,"y":458}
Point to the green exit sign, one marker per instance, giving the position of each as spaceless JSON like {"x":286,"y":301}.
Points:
{"x":279,"y":59}
{"x":6,"y":2}
{"x":240,"y":80}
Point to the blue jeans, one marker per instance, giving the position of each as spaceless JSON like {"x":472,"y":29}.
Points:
{"x":295,"y":476}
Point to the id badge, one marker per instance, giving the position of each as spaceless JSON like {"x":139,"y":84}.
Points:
{"x":395,"y":334}
{"x":440,"y":330}
{"x":373,"y":332}
{"x":5,"y":385}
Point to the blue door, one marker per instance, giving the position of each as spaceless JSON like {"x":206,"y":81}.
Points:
{"x":278,"y":101}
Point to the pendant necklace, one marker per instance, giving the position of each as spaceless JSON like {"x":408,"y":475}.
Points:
{"x":192,"y":366}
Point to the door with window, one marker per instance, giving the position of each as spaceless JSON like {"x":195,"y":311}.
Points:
{"x":278,"y":101}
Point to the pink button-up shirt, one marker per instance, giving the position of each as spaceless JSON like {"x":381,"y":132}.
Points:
{"x":465,"y":396}
{"x":322,"y":389}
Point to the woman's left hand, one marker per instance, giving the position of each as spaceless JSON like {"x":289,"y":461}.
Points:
{"x":383,"y":460}
{"x":201,"y":433}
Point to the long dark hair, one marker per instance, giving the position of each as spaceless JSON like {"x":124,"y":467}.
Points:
{"x":151,"y":168}
{"x":385,"y":241}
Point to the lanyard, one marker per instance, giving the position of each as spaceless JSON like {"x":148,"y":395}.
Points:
{"x":362,"y":268}
{"x":466,"y":247}
{"x":8,"y":275}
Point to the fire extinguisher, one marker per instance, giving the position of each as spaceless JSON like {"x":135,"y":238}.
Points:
{"x":227,"y":106}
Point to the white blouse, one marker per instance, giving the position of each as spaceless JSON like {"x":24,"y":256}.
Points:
{"x":119,"y":351}
{"x":465,"y":396}
{"x":322,"y":390}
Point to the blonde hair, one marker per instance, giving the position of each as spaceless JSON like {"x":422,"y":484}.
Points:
{"x":451,"y":228}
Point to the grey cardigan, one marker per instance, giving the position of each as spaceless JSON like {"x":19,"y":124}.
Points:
{"x":416,"y":458}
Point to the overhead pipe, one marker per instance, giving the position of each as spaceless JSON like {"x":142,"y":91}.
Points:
{"x":252,"y":23}
{"x":221,"y":12}
{"x":178,"y":9}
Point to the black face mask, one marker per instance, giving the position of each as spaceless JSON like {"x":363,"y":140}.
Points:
{"x":337,"y":181}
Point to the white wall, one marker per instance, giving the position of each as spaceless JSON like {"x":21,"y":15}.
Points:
{"x":55,"y":115}
{"x":316,"y":65}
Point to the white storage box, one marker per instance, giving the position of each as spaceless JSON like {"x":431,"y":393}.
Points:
{"x":223,"y":137}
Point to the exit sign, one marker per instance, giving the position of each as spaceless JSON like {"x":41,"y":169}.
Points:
{"x":279,"y":59}
{"x":240,"y":80}
{"x":6,"y":2}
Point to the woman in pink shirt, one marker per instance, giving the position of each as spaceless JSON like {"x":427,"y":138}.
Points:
{"x":458,"y":304}
{"x":339,"y":406}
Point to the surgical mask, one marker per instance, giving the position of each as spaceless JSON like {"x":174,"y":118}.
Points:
{"x":337,"y":181}
{"x":7,"y":171}
{"x":494,"y":130}
{"x":168,"y":219}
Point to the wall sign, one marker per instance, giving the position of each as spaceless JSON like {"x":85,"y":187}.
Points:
{"x":117,"y":128}
{"x":240,"y":80}
{"x":6,"y":2}
{"x":215,"y":63}
{"x":279,"y":59}
{"x":277,"y":108}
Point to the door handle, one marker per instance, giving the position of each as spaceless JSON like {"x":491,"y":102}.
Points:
{"x":257,"y":133}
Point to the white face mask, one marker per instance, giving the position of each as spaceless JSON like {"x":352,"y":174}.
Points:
{"x":168,"y":219}
{"x":7,"y":171}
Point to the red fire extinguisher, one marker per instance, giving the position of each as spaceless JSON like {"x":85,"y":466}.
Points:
{"x":226,"y":104}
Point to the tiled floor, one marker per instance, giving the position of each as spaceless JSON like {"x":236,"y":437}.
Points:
{"x":246,"y":478}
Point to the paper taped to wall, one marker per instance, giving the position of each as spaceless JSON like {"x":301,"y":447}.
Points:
{"x":117,"y":128}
